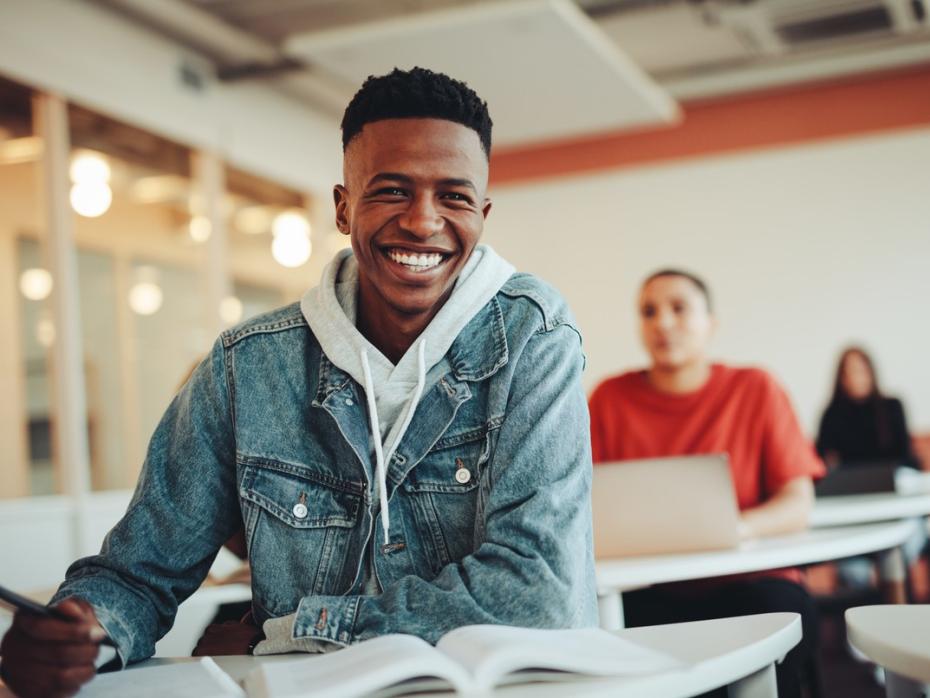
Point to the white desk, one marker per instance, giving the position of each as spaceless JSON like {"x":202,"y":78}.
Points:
{"x":898,"y":639}
{"x":817,"y":545}
{"x":868,"y":508}
{"x":738,"y":652}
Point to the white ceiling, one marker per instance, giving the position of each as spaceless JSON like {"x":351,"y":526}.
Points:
{"x":556,"y":67}
{"x":554,"y":73}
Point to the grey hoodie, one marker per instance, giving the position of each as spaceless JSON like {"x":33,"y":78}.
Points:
{"x":394,"y":391}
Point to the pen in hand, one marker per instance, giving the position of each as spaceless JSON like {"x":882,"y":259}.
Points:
{"x":19,"y":602}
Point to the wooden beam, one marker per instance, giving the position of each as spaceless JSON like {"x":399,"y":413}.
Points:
{"x":69,"y":406}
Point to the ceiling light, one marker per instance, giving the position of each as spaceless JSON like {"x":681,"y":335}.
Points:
{"x":89,"y":167}
{"x":91,"y":199}
{"x":291,"y":249}
{"x":291,"y":245}
{"x":145,"y":298}
{"x":35,"y":284}
{"x":230,"y":310}
{"x":290,"y":223}
{"x":200,"y":228}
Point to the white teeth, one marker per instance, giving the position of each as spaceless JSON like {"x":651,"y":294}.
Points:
{"x":420,"y":262}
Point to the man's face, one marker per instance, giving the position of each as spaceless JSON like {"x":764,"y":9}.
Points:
{"x":414,"y":204}
{"x":675,"y":323}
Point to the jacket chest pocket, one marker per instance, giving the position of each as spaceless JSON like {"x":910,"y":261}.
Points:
{"x":299,"y":525}
{"x":444,"y":491}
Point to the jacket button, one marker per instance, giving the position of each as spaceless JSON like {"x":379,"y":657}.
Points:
{"x":349,"y":401}
{"x":462,"y":476}
{"x":300,"y":510}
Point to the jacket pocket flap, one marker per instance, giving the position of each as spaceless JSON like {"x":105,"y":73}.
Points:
{"x":449,"y":470}
{"x":300,"y":497}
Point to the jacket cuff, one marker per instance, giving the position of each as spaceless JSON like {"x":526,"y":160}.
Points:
{"x":330,"y":618}
{"x":112,"y":625}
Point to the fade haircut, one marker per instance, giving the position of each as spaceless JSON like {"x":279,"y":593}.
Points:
{"x":693,"y":278}
{"x":417,"y":93}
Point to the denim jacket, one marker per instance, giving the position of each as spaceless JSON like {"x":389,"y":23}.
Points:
{"x":489,"y":489}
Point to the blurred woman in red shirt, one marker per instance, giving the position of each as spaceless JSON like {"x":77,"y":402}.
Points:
{"x":684,"y":404}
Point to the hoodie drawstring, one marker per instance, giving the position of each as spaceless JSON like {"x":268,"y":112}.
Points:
{"x":380,"y":458}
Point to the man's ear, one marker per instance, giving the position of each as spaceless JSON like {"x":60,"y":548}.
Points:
{"x":486,"y":208}
{"x":341,"y":199}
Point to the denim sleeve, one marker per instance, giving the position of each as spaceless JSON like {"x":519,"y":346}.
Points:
{"x":184,"y":507}
{"x":535,"y":566}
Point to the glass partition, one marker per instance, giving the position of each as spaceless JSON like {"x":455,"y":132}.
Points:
{"x":26,"y":428}
{"x":141,"y":255}
{"x":151,"y":252}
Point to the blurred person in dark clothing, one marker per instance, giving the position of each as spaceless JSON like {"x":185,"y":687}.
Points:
{"x":862,"y":425}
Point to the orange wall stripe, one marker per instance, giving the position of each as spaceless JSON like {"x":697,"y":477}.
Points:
{"x":878,"y":102}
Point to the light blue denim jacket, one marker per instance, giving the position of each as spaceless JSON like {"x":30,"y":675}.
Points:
{"x":267,"y":422}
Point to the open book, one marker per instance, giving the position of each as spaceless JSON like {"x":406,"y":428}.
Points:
{"x":472,"y":659}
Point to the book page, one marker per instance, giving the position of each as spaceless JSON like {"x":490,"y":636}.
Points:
{"x":490,"y":652}
{"x":373,"y":666}
{"x":197,"y":679}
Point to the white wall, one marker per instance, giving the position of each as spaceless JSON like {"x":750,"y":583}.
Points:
{"x":805,"y":248}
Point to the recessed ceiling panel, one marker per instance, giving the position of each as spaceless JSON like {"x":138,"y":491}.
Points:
{"x":546,"y":71}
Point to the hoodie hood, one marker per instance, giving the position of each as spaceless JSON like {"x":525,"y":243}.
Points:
{"x":393,"y":392}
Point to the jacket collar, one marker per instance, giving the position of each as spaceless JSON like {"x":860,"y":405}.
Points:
{"x":477,"y":353}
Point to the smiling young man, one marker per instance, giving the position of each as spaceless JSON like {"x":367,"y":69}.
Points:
{"x":406,"y":447}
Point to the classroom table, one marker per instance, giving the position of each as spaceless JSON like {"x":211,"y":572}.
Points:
{"x":868,"y":508}
{"x":897,"y":639}
{"x":844,"y":510}
{"x":815,"y":545}
{"x":736,"y":652}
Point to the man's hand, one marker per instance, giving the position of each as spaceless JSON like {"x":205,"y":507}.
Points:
{"x":50,"y":657}
{"x":229,"y":638}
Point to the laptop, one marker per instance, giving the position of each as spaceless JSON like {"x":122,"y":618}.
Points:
{"x":861,"y":478}
{"x":664,"y":505}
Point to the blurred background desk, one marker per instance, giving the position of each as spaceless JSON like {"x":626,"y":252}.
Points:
{"x":817,"y":545}
{"x":866,"y":508}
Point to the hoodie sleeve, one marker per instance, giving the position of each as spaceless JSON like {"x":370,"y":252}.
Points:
{"x":534,"y":567}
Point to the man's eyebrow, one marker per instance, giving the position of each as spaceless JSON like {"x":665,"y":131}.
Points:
{"x":390,"y":177}
{"x":455,"y":182}
{"x":406,"y":179}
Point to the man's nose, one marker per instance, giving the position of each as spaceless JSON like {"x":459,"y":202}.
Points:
{"x":422,"y":218}
{"x":664,"y":318}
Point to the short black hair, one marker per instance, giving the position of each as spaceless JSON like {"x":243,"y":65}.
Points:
{"x":417,"y":93}
{"x":693,"y":278}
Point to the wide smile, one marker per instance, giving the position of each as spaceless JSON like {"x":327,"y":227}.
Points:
{"x":407,"y":261}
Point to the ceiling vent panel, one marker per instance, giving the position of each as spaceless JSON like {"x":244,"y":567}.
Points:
{"x":859,"y":22}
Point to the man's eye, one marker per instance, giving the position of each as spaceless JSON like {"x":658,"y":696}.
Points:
{"x":390,"y":191}
{"x":457,"y":196}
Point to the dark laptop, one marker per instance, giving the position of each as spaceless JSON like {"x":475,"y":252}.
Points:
{"x":861,"y":478}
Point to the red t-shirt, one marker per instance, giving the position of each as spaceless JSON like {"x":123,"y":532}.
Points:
{"x":739,"y":411}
